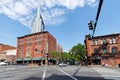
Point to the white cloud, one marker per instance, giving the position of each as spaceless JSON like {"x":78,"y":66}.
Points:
{"x":53,"y":11}
{"x":20,"y":8}
{"x":54,"y":16}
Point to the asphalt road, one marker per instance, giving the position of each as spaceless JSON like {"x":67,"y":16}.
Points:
{"x":52,"y":73}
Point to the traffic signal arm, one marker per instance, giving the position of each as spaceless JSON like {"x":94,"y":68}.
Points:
{"x":97,"y":16}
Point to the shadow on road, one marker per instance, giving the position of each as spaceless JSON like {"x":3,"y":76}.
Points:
{"x":65,"y":77}
{"x":90,"y":78}
{"x":76,"y":71}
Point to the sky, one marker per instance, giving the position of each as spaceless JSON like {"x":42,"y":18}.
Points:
{"x":66,"y":20}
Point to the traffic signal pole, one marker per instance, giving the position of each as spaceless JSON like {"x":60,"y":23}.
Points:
{"x":92,"y":25}
{"x":97,"y":16}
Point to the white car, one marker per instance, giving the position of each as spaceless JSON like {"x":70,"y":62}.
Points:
{"x":62,"y":64}
{"x":3,"y":64}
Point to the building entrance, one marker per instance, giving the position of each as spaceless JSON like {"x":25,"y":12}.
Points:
{"x":96,"y":60}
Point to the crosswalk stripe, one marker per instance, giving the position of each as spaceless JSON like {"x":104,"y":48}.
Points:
{"x":108,"y":73}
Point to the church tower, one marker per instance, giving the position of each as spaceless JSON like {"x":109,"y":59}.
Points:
{"x":37,"y":24}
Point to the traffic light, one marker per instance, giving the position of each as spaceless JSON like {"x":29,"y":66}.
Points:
{"x":90,"y":25}
{"x":90,"y":37}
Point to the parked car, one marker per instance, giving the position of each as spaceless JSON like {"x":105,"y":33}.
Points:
{"x":3,"y":64}
{"x":62,"y":64}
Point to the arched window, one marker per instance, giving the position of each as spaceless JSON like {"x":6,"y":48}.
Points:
{"x":114,"y":50}
{"x":104,"y":50}
{"x":95,"y":50}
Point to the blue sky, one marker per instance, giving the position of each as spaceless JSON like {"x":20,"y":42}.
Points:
{"x":66,"y":20}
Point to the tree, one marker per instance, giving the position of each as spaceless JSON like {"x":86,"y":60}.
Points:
{"x":78,"y":51}
{"x":65,"y":56}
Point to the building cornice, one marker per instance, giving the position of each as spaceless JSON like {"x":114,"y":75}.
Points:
{"x":33,"y":34}
{"x":109,"y":35}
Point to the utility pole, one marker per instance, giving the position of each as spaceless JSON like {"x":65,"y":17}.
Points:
{"x":46,"y":52}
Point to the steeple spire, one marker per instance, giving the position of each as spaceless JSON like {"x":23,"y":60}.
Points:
{"x":37,"y":24}
{"x":38,"y":11}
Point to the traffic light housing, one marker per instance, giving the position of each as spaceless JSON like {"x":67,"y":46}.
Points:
{"x":90,"y":37}
{"x":90,"y":25}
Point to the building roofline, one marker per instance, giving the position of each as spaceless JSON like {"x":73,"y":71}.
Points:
{"x":116,"y":34}
{"x":7,"y":45}
{"x":33,"y":34}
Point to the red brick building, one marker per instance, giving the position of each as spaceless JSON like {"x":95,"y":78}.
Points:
{"x":6,"y":53}
{"x":103,"y":49}
{"x":4,"y":47}
{"x":34,"y":48}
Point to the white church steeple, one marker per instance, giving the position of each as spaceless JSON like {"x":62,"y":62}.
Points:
{"x":38,"y":11}
{"x":37,"y":24}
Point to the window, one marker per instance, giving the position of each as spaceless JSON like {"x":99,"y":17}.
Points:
{"x":37,"y":42}
{"x":101,"y":41}
{"x":21,"y":42}
{"x":95,"y":50}
{"x":38,"y":38}
{"x":104,"y":50}
{"x":114,"y":40}
{"x":110,"y":40}
{"x":96,"y":42}
{"x":93,"y":42}
{"x":114,"y":50}
{"x":104,"y":41}
{"x":38,"y":51}
{"x":29,"y":44}
{"x":29,"y":40}
{"x":20,"y":50}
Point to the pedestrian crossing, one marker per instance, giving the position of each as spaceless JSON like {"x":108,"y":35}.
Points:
{"x":10,"y":68}
{"x":108,"y":73}
{"x":7,"y":69}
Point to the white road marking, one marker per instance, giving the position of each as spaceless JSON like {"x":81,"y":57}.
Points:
{"x":43,"y":78}
{"x":111,"y":76}
{"x":67,"y":74}
{"x":108,"y":73}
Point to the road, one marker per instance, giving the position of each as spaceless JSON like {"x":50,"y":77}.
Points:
{"x":58,"y":73}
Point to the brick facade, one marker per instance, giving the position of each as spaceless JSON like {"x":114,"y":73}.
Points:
{"x":3,"y":53}
{"x":35,"y":46}
{"x":103,"y":49}
{"x":4,"y":47}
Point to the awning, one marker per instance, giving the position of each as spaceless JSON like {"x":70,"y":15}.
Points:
{"x":42,"y":58}
{"x":36,"y":59}
{"x":27,"y":59}
{"x":52,"y":59}
{"x":19,"y":59}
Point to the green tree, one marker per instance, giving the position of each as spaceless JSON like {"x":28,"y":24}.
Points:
{"x":55,"y":54}
{"x":78,"y":51}
{"x":65,"y":56}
